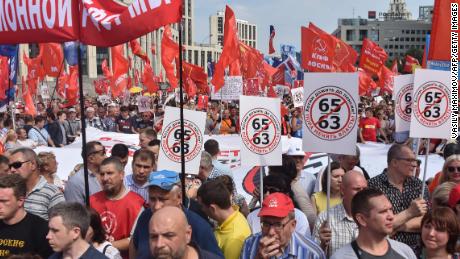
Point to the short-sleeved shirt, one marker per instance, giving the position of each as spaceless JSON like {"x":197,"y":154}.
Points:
{"x":301,"y":226}
{"x":43,"y":197}
{"x":400,"y":201}
{"x":231,"y":234}
{"x":201,"y":234}
{"x":26,"y":236}
{"x":321,"y":201}
{"x":343,"y":227}
{"x":397,"y":250}
{"x":125,"y":125}
{"x":91,"y":253}
{"x":75,"y":186}
{"x":369,"y":128}
{"x":40,"y":136}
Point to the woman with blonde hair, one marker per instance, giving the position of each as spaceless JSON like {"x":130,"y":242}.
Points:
{"x":440,"y":195}
{"x":451,"y":170}
{"x":11,"y":141}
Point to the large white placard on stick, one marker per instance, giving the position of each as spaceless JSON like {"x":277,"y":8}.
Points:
{"x":402,"y":94}
{"x":297,"y":96}
{"x":260,"y":123}
{"x":231,"y":90}
{"x":143,"y":103}
{"x":431,"y":109}
{"x":330,"y":112}
{"x":170,"y":147}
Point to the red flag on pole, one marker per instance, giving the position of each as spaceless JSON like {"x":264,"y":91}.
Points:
{"x":366,"y":84}
{"x":372,"y":58}
{"x":169,"y":54}
{"x":386,"y":81}
{"x":72,"y":89}
{"x":120,"y":67}
{"x":4,"y":68}
{"x":230,"y":51}
{"x":410,"y":63}
{"x":29,"y":107}
{"x":138,"y":51}
{"x":52,"y":57}
{"x":148,"y":79}
{"x":317,"y":51}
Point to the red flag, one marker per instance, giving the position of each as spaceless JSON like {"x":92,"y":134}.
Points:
{"x":4,"y":68}
{"x":278,"y":77}
{"x":138,"y":51}
{"x":230,"y":51}
{"x":251,"y":62}
{"x":136,"y":77}
{"x":410,"y":63}
{"x":52,"y":57}
{"x":106,"y":69}
{"x":148,"y":79}
{"x":366,"y":84}
{"x":34,"y":67}
{"x":372,"y":57}
{"x":317,"y":51}
{"x":441,"y":30}
{"x":29,"y":107}
{"x":169,"y":54}
{"x":72,"y":88}
{"x":251,"y":87}
{"x":100,"y":86}
{"x":386,"y":81}
{"x":120,"y":67}
{"x":62,"y":84}
{"x":197,"y":76}
{"x":271,"y":92}
{"x":271,"y":49}
{"x":202,"y":102}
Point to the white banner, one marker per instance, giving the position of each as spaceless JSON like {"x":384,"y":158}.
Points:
{"x":260,"y":123}
{"x":297,"y":96}
{"x":170,"y":147}
{"x":330,"y":112}
{"x":402,"y":94}
{"x":231,"y":90}
{"x":431,"y":109}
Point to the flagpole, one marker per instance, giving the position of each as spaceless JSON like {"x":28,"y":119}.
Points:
{"x":57,"y":78}
{"x":83,"y":125}
{"x":181,"y":117}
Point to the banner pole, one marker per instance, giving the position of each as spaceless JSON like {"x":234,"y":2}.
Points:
{"x":328,"y":200}
{"x":57,"y":78}
{"x":181,"y":117}
{"x":83,"y":126}
{"x":261,"y":185}
{"x":417,"y":147}
{"x":427,"y":152}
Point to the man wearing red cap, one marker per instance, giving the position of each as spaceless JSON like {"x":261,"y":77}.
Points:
{"x":278,"y":237}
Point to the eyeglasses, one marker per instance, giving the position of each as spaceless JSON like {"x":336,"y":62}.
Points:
{"x":17,"y":165}
{"x":102,"y":152}
{"x":410,"y":160}
{"x":452,"y":169}
{"x":278,"y":226}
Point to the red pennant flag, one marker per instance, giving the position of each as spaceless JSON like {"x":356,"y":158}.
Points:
{"x":271,"y":49}
{"x":372,"y":57}
{"x":386,"y":81}
{"x":169,"y":54}
{"x":148,"y":79}
{"x":230,"y":51}
{"x":52,"y":57}
{"x":138,"y":51}
{"x":120,"y":67}
{"x":29,"y":107}
{"x":4,"y":68}
{"x":441,"y":30}
{"x":366,"y":84}
{"x":410,"y":63}
{"x":317,"y":51}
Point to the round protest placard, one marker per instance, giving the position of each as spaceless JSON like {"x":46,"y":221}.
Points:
{"x":330,"y":113}
{"x":260,"y":131}
{"x":431,"y":104}
{"x":404,"y":102}
{"x":170,"y":141}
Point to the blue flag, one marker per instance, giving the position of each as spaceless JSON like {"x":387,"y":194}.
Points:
{"x":9,"y":50}
{"x":71,"y":52}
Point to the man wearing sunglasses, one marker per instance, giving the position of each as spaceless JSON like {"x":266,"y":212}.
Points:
{"x":41,"y":196}
{"x":403,"y":190}
{"x":75,"y":187}
{"x":278,"y":237}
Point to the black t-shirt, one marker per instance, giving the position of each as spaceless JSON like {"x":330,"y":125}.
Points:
{"x":26,"y":236}
{"x":91,"y":253}
{"x":125,"y":125}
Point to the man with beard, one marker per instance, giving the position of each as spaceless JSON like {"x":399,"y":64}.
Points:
{"x":119,"y":208}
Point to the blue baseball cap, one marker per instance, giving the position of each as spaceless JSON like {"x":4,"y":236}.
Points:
{"x":164,"y":179}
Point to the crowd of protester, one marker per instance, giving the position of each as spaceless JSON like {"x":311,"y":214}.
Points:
{"x":145,"y":214}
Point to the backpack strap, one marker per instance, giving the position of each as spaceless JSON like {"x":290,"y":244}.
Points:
{"x":355,"y":247}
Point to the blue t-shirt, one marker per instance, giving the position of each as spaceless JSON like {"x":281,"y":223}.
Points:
{"x":202,"y":234}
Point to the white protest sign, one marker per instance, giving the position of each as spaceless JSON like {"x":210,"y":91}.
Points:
{"x":402,"y":94}
{"x":260,"y":131}
{"x":104,"y":99}
{"x":126,"y":98}
{"x":170,"y":147}
{"x":143,"y":103}
{"x":231,"y":90}
{"x":431,"y":110}
{"x":44,"y":91}
{"x":280,"y":90}
{"x":297,"y":96}
{"x":330,"y":113}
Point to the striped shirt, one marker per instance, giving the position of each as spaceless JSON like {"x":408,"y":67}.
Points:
{"x":43,"y":197}
{"x":143,"y":190}
{"x":344,"y":229}
{"x":298,"y":247}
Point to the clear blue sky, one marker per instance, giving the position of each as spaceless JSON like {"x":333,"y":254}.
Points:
{"x":289,"y":15}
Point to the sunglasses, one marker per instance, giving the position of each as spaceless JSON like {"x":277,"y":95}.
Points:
{"x":17,"y":165}
{"x":102,"y":152}
{"x":452,"y":169}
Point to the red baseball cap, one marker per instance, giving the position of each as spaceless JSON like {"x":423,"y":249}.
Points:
{"x":454,"y":196}
{"x":276,"y":205}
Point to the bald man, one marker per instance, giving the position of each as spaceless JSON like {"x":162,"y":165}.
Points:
{"x":170,"y":236}
{"x":341,"y":229}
